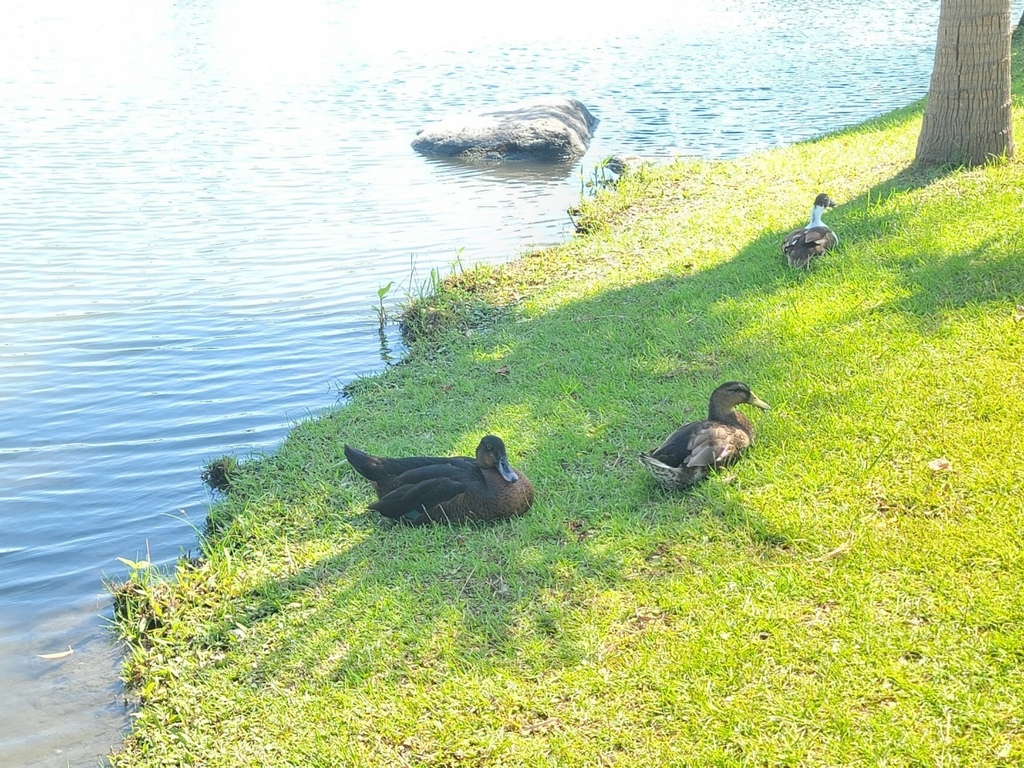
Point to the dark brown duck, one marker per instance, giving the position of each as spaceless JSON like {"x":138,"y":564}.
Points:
{"x":690,"y":453}
{"x":424,"y":489}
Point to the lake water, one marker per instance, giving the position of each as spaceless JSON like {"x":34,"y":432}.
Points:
{"x":201,"y":199}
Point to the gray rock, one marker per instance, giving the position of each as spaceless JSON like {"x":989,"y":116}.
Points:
{"x":548,"y":130}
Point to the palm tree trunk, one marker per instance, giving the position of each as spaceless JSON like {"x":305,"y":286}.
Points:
{"x":968,"y":116}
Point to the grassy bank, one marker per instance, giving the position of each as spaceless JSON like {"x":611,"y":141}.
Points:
{"x":831,"y":600}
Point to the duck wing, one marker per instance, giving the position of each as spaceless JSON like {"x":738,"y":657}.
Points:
{"x":418,"y":497}
{"x":387,"y":470}
{"x":716,"y":444}
{"x":703,"y":444}
{"x":678,"y":446}
{"x":815,"y":239}
{"x":423,"y":487}
{"x":465,"y":471}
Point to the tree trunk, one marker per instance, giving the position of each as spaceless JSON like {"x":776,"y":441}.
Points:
{"x":967,"y":118}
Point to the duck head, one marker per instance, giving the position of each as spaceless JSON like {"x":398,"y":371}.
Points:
{"x":491,"y":454}
{"x":824,"y":201}
{"x":733,"y":393}
{"x":821,"y":202}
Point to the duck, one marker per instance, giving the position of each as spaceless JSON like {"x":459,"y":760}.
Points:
{"x":802,"y":245}
{"x":690,"y":453}
{"x":417,"y":490}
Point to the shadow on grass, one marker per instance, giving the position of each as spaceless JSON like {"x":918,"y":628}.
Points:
{"x":989,"y":273}
{"x":402,"y":599}
{"x":584,"y":388}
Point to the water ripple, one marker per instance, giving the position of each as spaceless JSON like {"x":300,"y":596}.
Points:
{"x":194,"y":232}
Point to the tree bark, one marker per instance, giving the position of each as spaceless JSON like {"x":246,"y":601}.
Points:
{"x":968,"y":116}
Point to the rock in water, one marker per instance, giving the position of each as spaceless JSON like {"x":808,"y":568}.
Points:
{"x":549,"y":130}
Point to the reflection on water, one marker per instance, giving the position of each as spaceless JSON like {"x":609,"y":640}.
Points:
{"x":519,"y":175}
{"x":202,"y":199}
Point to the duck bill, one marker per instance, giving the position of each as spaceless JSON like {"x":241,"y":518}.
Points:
{"x":506,"y":470}
{"x":757,"y":402}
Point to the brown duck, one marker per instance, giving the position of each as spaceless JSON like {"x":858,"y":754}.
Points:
{"x":424,"y":489}
{"x":692,"y":451}
{"x":802,"y":245}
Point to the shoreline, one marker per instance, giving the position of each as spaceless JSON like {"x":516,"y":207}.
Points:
{"x":829,"y":600}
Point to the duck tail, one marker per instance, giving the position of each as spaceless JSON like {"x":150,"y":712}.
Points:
{"x":652,"y":463}
{"x":366,"y":465}
{"x":798,"y":260}
{"x":665,"y":475}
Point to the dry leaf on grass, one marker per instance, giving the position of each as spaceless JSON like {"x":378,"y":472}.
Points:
{"x":940,"y":465}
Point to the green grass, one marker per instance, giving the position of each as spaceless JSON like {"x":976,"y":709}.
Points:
{"x":831,"y":600}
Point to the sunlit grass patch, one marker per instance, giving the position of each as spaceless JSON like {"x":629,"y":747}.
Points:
{"x":847,"y":594}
